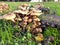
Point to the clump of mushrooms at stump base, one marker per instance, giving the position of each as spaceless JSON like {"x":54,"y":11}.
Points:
{"x":30,"y":20}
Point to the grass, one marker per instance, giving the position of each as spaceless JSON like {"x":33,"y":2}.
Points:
{"x":7,"y":31}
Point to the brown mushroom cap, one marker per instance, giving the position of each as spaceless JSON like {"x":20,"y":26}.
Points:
{"x":36,"y":30}
{"x":29,"y":20}
{"x":39,"y":6}
{"x":23,"y":24}
{"x":23,"y":6}
{"x":4,"y":7}
{"x":9,"y":16}
{"x":35,"y":12}
{"x":25,"y":17}
{"x":38,"y":23}
{"x":34,"y":22}
{"x":33,"y":26}
{"x":25,"y":20}
{"x":36,"y":19}
{"x":21,"y":12}
{"x":18,"y":19}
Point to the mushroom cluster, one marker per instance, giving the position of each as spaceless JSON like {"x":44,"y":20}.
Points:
{"x":4,"y":7}
{"x":30,"y":21}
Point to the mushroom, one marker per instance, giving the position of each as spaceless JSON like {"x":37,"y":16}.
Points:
{"x":18,"y":19}
{"x":35,"y":12}
{"x":23,"y":24}
{"x":24,"y":12}
{"x":33,"y":26}
{"x":36,"y":30}
{"x":28,"y":28}
{"x":38,"y":23}
{"x":23,"y":6}
{"x":3,"y":7}
{"x":36,"y":19}
{"x":29,"y":20}
{"x":34,"y":22}
{"x":39,"y":37}
{"x":39,"y":30}
{"x":9,"y":16}
{"x":25,"y":19}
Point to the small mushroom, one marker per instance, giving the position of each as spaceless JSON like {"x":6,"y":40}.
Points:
{"x":33,"y":26}
{"x":25,"y":20}
{"x":29,"y":20}
{"x":18,"y":19}
{"x":23,"y":6}
{"x":38,"y":23}
{"x":9,"y":16}
{"x":39,"y":37}
{"x":36,"y":30}
{"x":3,"y":7}
{"x":24,"y":23}
{"x":35,"y":12}
{"x":34,"y":22}
{"x":25,"y":17}
{"x":36,"y":19}
{"x":24,"y":12}
{"x":39,"y":6}
{"x":39,"y":29}
{"x":28,"y":28}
